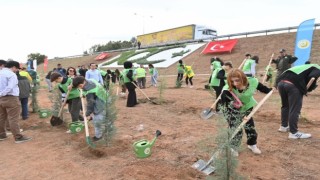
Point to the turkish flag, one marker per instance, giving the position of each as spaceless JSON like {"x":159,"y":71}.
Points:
{"x":220,"y":46}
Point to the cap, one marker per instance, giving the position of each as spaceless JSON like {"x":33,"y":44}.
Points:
{"x":282,"y":50}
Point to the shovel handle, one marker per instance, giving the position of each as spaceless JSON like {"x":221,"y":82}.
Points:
{"x":216,"y":101}
{"x":240,"y":67}
{"x":310,"y":82}
{"x":84,"y":114}
{"x":64,"y":103}
{"x":141,"y":91}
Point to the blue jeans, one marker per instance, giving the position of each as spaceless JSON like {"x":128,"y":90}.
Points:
{"x":24,"y":107}
{"x":100,"y":123}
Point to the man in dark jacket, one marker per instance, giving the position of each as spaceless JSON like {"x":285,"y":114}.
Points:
{"x":283,"y":63}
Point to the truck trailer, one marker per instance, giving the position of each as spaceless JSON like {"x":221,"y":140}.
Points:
{"x":178,"y":34}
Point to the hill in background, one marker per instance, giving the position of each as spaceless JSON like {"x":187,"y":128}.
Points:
{"x":263,"y":46}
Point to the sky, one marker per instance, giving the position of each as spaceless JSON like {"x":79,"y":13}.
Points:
{"x":59,"y":28}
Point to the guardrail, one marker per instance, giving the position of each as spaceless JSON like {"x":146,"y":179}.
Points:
{"x":228,"y":36}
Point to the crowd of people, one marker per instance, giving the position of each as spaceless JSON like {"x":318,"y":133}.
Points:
{"x":230,"y":84}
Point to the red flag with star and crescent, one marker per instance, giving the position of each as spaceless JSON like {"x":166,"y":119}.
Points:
{"x":220,"y":46}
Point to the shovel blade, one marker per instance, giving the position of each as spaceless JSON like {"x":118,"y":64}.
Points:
{"x":207,"y":113}
{"x":55,"y":121}
{"x":200,"y":164}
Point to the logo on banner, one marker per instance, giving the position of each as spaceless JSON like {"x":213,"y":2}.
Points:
{"x":303,"y":44}
{"x":218,"y":46}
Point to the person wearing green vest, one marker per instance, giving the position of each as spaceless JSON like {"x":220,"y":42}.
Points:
{"x":73,"y":100}
{"x":154,"y":75}
{"x":217,"y":78}
{"x":242,"y":88}
{"x":180,"y":69}
{"x":141,"y":76}
{"x":129,"y":79}
{"x":96,"y":97}
{"x":269,"y":74}
{"x":33,"y":75}
{"x":292,"y":85}
{"x":249,"y":67}
{"x":104,"y":77}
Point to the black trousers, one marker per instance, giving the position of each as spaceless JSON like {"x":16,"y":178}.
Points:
{"x":74,"y":107}
{"x":234,"y":119}
{"x":190,"y":80}
{"x":291,"y":100}
{"x":132,"y":97}
{"x":180,"y":76}
{"x":218,"y":90}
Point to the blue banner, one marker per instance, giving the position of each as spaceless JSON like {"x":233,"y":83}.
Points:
{"x":304,"y":41}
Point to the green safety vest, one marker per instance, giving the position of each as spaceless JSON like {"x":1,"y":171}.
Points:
{"x":141,"y":72}
{"x":216,"y":68}
{"x":180,"y":69}
{"x":99,"y":91}
{"x":74,"y":93}
{"x":269,"y":70}
{"x":152,"y":71}
{"x":247,"y":65}
{"x":214,"y":80}
{"x":124,"y":75}
{"x":216,"y":64}
{"x":301,"y":68}
{"x":102,"y":72}
{"x":246,"y":96}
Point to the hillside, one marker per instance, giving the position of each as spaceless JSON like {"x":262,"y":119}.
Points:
{"x":263,"y":46}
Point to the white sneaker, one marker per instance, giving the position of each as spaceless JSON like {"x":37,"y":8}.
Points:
{"x":191,"y":86}
{"x":283,"y":129}
{"x":68,"y":132}
{"x":254,"y":149}
{"x":299,"y":135}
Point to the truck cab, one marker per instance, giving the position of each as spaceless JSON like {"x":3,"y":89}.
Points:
{"x":203,"y":32}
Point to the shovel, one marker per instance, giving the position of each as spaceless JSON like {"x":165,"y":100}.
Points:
{"x":144,"y":93}
{"x":56,"y":121}
{"x":208,"y":112}
{"x":88,"y":140}
{"x":205,"y":167}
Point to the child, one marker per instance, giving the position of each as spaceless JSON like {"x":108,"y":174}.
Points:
{"x":73,"y":100}
{"x":243,"y":88}
{"x":96,"y":97}
{"x":188,"y":73}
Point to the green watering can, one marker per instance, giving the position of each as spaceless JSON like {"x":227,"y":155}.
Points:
{"x":76,"y":127}
{"x":142,"y":148}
